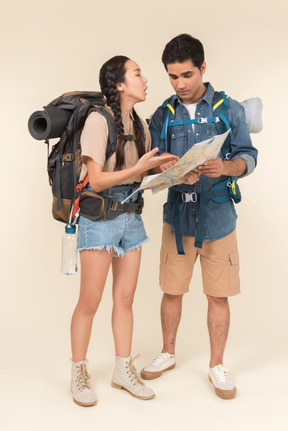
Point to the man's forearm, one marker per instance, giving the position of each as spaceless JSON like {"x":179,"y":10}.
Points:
{"x":234,"y":168}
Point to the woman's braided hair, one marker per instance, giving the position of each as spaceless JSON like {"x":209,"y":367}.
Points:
{"x":112,"y":73}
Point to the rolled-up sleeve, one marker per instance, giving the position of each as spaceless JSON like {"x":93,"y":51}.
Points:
{"x":241,"y":144}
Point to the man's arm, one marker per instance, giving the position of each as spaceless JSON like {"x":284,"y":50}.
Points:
{"x":243,"y":154}
{"x":217,"y":167}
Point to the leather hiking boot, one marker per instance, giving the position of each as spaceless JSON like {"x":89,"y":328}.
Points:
{"x":162,"y":362}
{"x":223,"y":386}
{"x":125,"y":377}
{"x":80,"y":385}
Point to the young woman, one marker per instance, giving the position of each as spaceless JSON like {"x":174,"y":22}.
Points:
{"x":116,"y":242}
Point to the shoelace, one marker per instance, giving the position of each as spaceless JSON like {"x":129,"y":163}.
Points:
{"x":159,"y":359}
{"x":83,"y":377}
{"x":132,"y":372}
{"x":220,"y":372}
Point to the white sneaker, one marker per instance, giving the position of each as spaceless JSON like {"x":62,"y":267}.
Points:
{"x":80,"y":385}
{"x":162,"y":362}
{"x":223,"y":386}
{"x":125,"y":377}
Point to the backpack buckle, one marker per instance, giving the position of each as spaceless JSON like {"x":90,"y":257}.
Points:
{"x":69,"y":157}
{"x":113,"y":205}
{"x":202,"y":120}
{"x":189,"y":197}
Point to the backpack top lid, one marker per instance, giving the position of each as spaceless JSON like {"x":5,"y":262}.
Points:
{"x":72,"y":99}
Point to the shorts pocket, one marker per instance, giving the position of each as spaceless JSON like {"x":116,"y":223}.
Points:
{"x":234,"y":270}
{"x":175,"y":273}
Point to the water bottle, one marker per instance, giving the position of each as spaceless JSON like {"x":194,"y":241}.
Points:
{"x":69,"y":251}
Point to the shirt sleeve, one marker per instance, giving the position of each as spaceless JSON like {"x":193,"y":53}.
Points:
{"x":155,"y":128}
{"x":94,"y":138}
{"x":241,"y":144}
{"x":147,"y":136}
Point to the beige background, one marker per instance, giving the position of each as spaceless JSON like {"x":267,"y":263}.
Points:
{"x":48,"y":48}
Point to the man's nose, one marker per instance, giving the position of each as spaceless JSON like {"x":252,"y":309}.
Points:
{"x":180,"y":83}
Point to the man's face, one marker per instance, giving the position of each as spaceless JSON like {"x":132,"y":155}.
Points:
{"x":187,"y":80}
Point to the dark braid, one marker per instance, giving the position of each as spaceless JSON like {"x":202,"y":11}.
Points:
{"x":111,"y":73}
{"x":138,"y":131}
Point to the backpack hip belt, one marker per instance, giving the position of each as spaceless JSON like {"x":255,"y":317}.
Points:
{"x":219,"y":193}
{"x":97,"y":207}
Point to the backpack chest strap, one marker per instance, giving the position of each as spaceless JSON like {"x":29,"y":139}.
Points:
{"x":172,"y":123}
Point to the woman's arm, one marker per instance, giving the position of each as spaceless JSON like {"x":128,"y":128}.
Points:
{"x":100,"y":180}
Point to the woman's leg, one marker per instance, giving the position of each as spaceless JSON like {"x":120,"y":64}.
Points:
{"x":94,"y":269}
{"x":125,"y":276}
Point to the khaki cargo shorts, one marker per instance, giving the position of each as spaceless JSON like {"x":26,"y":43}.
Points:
{"x":219,"y":263}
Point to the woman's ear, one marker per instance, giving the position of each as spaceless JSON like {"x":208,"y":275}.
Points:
{"x":119,"y":87}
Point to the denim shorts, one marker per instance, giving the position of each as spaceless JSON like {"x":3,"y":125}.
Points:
{"x":122,"y":234}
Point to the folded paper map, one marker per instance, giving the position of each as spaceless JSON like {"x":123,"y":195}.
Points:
{"x":196,"y":156}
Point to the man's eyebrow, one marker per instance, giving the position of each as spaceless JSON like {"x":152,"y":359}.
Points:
{"x":184,"y":73}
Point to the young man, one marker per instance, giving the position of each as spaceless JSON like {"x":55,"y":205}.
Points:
{"x":191,"y":210}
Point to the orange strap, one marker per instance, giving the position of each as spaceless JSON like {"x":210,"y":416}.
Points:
{"x":79,"y":189}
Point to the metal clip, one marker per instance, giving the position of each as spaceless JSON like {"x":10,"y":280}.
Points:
{"x":202,"y":120}
{"x":189,"y":197}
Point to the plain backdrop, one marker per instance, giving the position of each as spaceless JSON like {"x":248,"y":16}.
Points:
{"x":48,"y":48}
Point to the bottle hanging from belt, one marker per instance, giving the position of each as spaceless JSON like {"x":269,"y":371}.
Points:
{"x":69,"y":251}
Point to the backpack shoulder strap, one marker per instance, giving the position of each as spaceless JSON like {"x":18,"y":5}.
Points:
{"x":112,"y":137}
{"x":169,"y":113}
{"x":220,"y":107}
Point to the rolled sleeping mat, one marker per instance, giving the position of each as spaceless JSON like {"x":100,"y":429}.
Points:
{"x":253,"y":111}
{"x":49,"y":123}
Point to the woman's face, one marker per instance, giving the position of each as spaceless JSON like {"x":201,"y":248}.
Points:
{"x":134,"y":88}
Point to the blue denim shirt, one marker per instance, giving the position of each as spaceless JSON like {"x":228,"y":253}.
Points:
{"x":220,"y":218}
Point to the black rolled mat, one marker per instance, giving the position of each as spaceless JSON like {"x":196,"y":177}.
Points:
{"x":48,"y":124}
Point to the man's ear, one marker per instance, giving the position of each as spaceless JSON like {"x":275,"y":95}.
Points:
{"x":203,"y":68}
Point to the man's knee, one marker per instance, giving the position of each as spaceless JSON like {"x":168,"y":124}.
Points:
{"x":167,"y":297}
{"x":213,"y":300}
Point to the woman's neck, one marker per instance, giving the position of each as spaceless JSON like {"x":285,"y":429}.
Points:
{"x":126,"y":105}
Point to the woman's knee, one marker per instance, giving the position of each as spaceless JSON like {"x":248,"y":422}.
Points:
{"x":123,"y":299}
{"x":89,"y":306}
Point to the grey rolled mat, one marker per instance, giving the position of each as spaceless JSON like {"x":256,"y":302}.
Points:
{"x":48,"y":124}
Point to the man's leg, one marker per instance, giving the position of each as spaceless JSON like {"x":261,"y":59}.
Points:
{"x":171,"y":308}
{"x":218,"y":325}
{"x":175,"y":275}
{"x":220,"y":272}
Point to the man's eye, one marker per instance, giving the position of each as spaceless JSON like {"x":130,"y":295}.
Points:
{"x":188,"y":75}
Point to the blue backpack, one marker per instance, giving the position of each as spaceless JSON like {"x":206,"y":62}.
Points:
{"x":220,"y":192}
